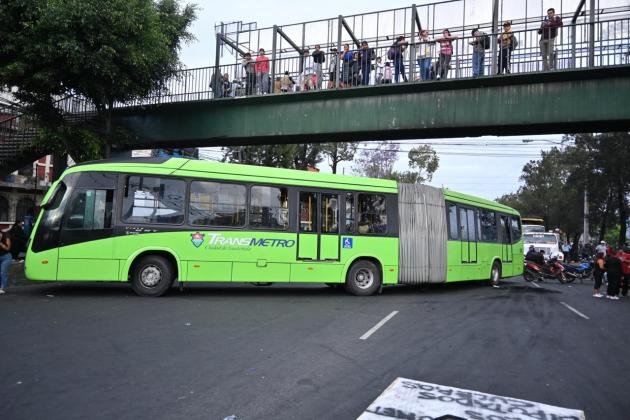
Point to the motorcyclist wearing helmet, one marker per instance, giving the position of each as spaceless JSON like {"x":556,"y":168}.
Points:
{"x":534,"y":256}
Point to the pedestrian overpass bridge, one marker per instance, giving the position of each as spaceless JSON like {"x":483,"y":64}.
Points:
{"x":567,"y":101}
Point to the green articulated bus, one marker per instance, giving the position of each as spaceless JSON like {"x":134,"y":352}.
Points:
{"x":153,"y":221}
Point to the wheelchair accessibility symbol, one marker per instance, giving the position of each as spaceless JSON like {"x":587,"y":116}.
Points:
{"x":347,"y":243}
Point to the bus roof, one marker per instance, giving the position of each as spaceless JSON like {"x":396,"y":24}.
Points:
{"x":482,"y":202}
{"x":251,"y":173}
{"x":237,"y":172}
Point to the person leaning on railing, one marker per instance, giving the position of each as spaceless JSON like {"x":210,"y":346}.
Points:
{"x":548,"y":32}
{"x":446,"y":52}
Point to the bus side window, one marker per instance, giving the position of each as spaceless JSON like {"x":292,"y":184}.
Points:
{"x":90,"y":210}
{"x":350,"y":212}
{"x":330,"y":213}
{"x":372,"y":215}
{"x":269,"y":208}
{"x":488,"y":226}
{"x":154,"y":200}
{"x":453,"y":231}
{"x":515,"y":227}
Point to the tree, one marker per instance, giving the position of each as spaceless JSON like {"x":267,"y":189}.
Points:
{"x":339,"y":152}
{"x":423,"y":162}
{"x":292,"y":156}
{"x":377,"y":162}
{"x":105,"y":52}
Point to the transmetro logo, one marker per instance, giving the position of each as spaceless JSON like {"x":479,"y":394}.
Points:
{"x":197,"y":239}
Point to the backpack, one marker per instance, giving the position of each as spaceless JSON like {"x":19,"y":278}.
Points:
{"x":391,"y":53}
{"x":486,"y":42}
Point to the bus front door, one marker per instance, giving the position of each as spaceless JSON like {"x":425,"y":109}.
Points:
{"x":506,"y":245}
{"x":318,"y":238}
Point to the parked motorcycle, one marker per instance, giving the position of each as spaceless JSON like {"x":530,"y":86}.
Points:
{"x":582,"y":270}
{"x":552,"y":269}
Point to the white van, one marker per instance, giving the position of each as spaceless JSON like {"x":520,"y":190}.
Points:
{"x":543,"y":241}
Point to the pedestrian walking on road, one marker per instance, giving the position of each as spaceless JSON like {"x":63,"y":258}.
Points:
{"x":598,"y":275}
{"x":5,"y":261}
{"x":613,"y":273}
{"x":18,"y":240}
{"x":548,"y":32}
{"x":625,"y":271}
{"x":602,"y":247}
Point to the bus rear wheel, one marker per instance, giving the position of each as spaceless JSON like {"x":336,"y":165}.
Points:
{"x":363,"y":279}
{"x":152,"y":276}
{"x":495,"y":274}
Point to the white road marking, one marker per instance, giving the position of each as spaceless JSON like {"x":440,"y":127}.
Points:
{"x":574,"y":310}
{"x":535,"y":284}
{"x":377,"y":326}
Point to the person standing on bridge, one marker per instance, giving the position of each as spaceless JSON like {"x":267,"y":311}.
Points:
{"x":479,"y":44}
{"x":347,"y":62}
{"x":548,"y":32}
{"x":366,"y":56}
{"x":396,"y":53}
{"x":446,"y":52}
{"x":425,"y":54}
{"x":249,"y":67}
{"x":332,"y":68}
{"x":319,"y":58}
{"x":505,"y":41}
{"x":308,"y":71}
{"x":262,"y":72}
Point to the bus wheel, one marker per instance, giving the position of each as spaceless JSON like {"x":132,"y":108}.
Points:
{"x":495,"y":274}
{"x":363,"y":279}
{"x":152,"y":276}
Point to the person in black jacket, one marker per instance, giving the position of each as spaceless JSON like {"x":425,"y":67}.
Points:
{"x":535,"y":257}
{"x":613,"y":274}
{"x":319,"y":58}
{"x":18,"y":239}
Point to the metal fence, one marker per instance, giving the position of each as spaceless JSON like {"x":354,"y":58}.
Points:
{"x":290,"y":74}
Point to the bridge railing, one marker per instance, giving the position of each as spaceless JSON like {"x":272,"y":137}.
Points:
{"x":611,"y":47}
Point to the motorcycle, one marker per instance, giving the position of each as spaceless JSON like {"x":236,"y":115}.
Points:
{"x":583,"y":270}
{"x":552,"y":269}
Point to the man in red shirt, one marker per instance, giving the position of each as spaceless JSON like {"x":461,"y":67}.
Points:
{"x":262,"y":71}
{"x":625,"y":270}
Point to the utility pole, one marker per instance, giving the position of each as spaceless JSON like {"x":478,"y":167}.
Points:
{"x":585,"y":235}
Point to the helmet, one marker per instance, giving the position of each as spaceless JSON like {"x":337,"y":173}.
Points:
{"x":531,"y":247}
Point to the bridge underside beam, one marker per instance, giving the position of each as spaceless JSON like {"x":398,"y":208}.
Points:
{"x":545,"y":103}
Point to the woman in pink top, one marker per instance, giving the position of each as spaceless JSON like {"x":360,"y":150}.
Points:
{"x":446,"y":52}
{"x":262,"y":71}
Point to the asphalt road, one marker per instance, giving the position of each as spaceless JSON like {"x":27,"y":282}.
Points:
{"x":73,"y":351}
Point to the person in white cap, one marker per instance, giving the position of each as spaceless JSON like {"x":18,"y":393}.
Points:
{"x":602,"y":247}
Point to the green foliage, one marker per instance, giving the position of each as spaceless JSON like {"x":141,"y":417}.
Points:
{"x":292,"y":156}
{"x":104,"y":51}
{"x":554,"y":185}
{"x":379,"y":163}
{"x":339,"y":152}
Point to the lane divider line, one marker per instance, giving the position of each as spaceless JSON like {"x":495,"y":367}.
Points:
{"x":377,"y":326}
{"x":535,"y":284}
{"x":574,"y":310}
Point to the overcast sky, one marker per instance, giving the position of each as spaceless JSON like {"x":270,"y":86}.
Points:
{"x":488,"y":171}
